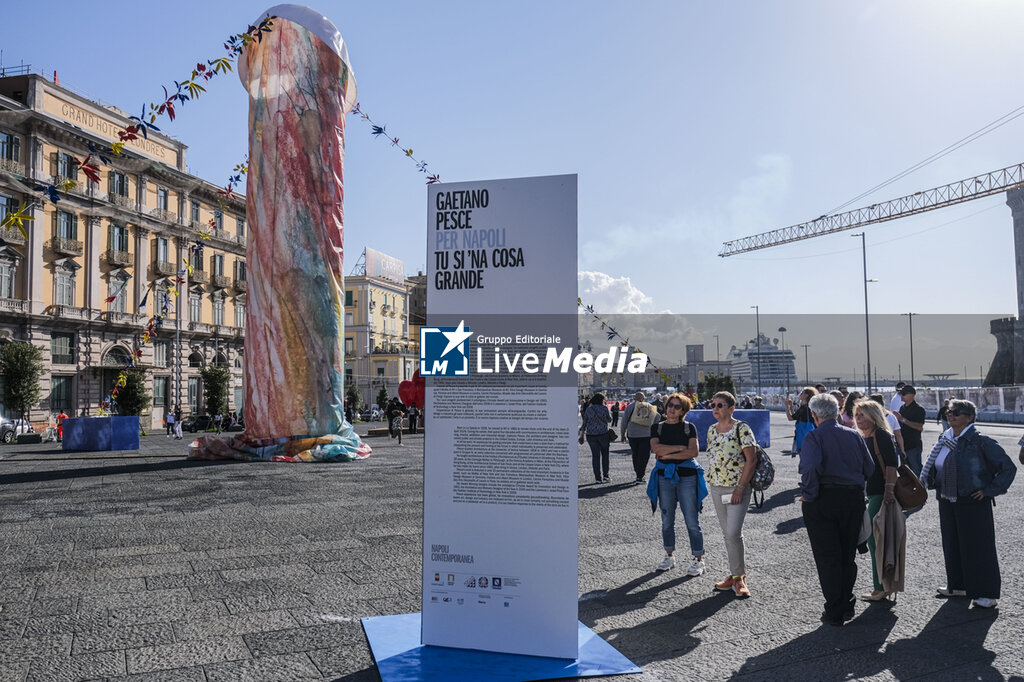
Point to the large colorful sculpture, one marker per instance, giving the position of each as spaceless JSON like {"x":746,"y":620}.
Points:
{"x":300,"y":87}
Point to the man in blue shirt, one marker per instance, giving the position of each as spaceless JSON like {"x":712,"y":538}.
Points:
{"x":834,"y":465}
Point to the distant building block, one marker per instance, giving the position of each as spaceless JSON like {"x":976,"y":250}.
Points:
{"x":758,"y":420}
{"x":101,"y":433}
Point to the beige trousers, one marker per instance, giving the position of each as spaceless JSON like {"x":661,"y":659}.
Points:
{"x":730,"y":517}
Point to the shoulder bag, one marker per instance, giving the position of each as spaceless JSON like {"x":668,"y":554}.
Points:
{"x":909,"y":490}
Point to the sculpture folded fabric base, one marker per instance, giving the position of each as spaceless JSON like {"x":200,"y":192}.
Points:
{"x":300,"y":88}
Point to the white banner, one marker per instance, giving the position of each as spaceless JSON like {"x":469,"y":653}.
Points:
{"x":500,"y":545}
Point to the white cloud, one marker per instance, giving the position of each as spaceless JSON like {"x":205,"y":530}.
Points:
{"x":611,"y":295}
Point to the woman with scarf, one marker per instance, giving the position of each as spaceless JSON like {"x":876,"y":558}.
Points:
{"x":881,"y":484}
{"x":967,"y":470}
{"x":677,"y":479}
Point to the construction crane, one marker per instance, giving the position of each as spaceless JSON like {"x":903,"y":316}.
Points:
{"x":977,"y":187}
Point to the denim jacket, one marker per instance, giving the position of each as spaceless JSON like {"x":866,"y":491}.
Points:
{"x":981,"y":464}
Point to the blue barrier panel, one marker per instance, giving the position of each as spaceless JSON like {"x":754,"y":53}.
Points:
{"x":757,"y":419}
{"x":101,"y":433}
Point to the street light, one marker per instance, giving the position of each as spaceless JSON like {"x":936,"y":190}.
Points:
{"x":718,"y":358}
{"x":757,"y":344}
{"x":807,"y":374}
{"x":910,"y":318}
{"x":782,"y":330}
{"x":867,"y":332}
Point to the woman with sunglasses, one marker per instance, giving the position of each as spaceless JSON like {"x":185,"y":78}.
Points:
{"x":677,"y":479}
{"x":732,"y":447}
{"x":967,"y":471}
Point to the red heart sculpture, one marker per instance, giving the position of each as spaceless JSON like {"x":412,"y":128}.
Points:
{"x":414,"y":391}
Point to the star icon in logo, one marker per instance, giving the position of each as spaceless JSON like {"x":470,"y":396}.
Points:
{"x":456,"y":337}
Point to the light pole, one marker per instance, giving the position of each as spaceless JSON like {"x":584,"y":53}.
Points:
{"x":757,"y":344}
{"x":782,"y":330}
{"x":867,"y":332}
{"x":718,"y":358}
{"x":910,"y":318}
{"x":807,"y":374}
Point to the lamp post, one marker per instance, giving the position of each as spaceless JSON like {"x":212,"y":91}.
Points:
{"x":718,"y":358}
{"x":867,"y":332}
{"x":757,"y":344}
{"x":910,"y":318}
{"x":807,"y":374}
{"x":782,"y":330}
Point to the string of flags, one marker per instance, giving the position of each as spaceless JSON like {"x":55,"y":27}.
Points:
{"x":380,"y":131}
{"x":613,"y":334}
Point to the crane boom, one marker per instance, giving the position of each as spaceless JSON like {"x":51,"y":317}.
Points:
{"x":977,"y":187}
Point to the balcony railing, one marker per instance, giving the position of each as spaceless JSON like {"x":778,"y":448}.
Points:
{"x":164,"y":214}
{"x":241,"y":285}
{"x":69,"y":247}
{"x":221,"y":281}
{"x":13,"y":305}
{"x":124,"y":202}
{"x":115,"y":257}
{"x":115,"y":317}
{"x":199,"y":327}
{"x":163,"y":267}
{"x":79,"y":188}
{"x":200,"y":276}
{"x":12,"y":166}
{"x":70,"y":312}
{"x":12,"y":236}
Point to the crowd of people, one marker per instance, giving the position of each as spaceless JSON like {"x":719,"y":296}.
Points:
{"x":857,"y":455}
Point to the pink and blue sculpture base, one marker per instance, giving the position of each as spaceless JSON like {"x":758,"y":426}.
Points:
{"x":395,"y":643}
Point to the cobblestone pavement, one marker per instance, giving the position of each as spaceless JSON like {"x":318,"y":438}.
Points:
{"x":149,"y":566}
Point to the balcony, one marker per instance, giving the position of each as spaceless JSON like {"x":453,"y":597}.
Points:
{"x":123,"y":202}
{"x":164,"y":214}
{"x":162,"y":267}
{"x":70,"y":312}
{"x":199,"y":277}
{"x":12,"y":236}
{"x":68,"y":247}
{"x":12,"y":167}
{"x":240,"y":285}
{"x":115,"y":257}
{"x":13,"y":305}
{"x":131,"y":319}
{"x":80,"y":188}
{"x":221,"y":281}
{"x":200,"y":327}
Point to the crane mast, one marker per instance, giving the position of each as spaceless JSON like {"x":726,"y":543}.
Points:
{"x":958,"y":192}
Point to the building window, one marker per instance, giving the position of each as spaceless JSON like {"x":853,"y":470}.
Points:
{"x":240,"y":270}
{"x":195,"y":259}
{"x":161,"y":352}
{"x":61,"y":345}
{"x":67,"y":225}
{"x":195,"y":211}
{"x":218,"y":220}
{"x":160,"y":391}
{"x":118,"y":291}
{"x":218,"y":308}
{"x":240,"y":315}
{"x":350,"y":318}
{"x":240,"y":227}
{"x":195,"y":360}
{"x":349,"y":346}
{"x":118,"y":184}
{"x":161,"y":199}
{"x":10,"y":147}
{"x":8,"y":268}
{"x":64,"y":285}
{"x":118,"y":238}
{"x":66,"y":166}
{"x":349,"y":299}
{"x":60,"y":393}
{"x":195,"y":307}
{"x":7,"y":205}
{"x":380,"y":369}
{"x":193,"y":394}
{"x":162,"y":254}
{"x":217,"y":264}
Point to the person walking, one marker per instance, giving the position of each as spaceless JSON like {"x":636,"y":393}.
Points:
{"x":732,"y":450}
{"x":881,"y":485}
{"x":169,"y":422}
{"x":940,"y":418}
{"x":911,"y":418}
{"x":177,"y":422}
{"x":968,"y":470}
{"x":677,"y":479}
{"x":414,"y":415}
{"x":596,"y":419}
{"x":834,"y":466}
{"x":615,"y":413}
{"x":217,"y":419}
{"x":802,"y":416}
{"x":637,"y":421}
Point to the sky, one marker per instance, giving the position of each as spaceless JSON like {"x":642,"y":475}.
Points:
{"x":687,"y":123}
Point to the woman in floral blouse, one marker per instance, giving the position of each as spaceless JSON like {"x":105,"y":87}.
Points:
{"x":731,"y":445}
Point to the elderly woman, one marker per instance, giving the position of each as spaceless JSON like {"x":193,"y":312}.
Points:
{"x":596,"y":419}
{"x":967,"y":470}
{"x":881,"y":484}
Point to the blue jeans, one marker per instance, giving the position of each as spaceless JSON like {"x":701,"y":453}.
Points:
{"x":599,"y":456}
{"x":683,"y":493}
{"x":914,"y":460}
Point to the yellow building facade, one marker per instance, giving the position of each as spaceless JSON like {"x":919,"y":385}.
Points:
{"x":125,"y":237}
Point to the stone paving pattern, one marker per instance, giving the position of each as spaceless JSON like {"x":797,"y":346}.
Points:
{"x":146,"y":566}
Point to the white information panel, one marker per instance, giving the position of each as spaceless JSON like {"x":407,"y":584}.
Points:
{"x":500,"y":546}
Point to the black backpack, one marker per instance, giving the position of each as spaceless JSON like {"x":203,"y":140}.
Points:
{"x":764,"y":472}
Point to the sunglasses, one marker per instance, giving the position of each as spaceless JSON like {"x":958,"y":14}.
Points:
{"x":674,"y":406}
{"x":719,"y":406}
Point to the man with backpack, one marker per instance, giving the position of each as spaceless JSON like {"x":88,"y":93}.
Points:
{"x":637,"y":421}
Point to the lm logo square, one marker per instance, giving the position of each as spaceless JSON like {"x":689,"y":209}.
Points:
{"x":444,"y":351}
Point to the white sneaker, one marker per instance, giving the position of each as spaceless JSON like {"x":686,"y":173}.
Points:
{"x":946,"y":592}
{"x":697,"y":567}
{"x":666,"y":563}
{"x":985,"y":603}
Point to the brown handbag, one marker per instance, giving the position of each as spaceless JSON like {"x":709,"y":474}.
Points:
{"x":909,"y":490}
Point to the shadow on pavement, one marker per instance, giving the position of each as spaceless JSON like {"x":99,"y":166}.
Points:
{"x":779,"y":499}
{"x":590,"y":491}
{"x":109,"y":470}
{"x":790,"y":526}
